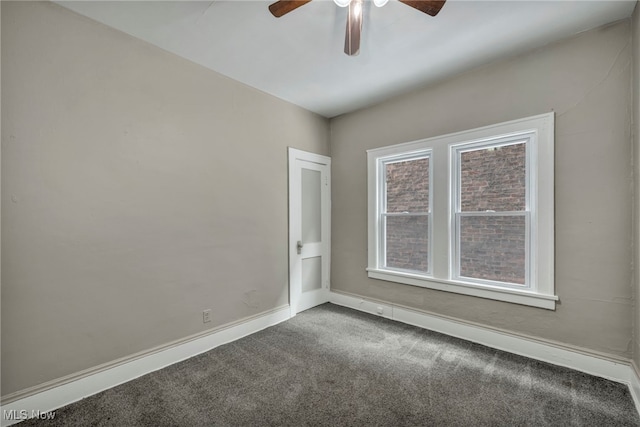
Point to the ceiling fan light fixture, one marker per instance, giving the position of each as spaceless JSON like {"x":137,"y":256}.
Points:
{"x":357,"y":9}
{"x":354,"y":15}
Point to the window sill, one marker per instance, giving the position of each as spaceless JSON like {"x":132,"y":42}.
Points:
{"x":500,"y":294}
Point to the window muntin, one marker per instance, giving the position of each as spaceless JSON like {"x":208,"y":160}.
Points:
{"x":405,"y":215}
{"x":491,"y":213}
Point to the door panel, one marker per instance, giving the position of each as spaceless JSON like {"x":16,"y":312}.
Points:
{"x":311,"y":274}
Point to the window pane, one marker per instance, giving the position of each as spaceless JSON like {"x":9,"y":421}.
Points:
{"x":408,"y":242}
{"x":311,"y":206}
{"x":493,"y":248}
{"x":493,"y":179}
{"x":408,"y":186}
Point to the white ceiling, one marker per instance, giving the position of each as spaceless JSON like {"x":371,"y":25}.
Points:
{"x":300,"y":58}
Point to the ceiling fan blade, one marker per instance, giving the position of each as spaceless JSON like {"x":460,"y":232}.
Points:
{"x":430,"y":7}
{"x":283,"y":7}
{"x":354,"y":28}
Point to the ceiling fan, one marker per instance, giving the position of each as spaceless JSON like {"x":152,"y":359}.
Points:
{"x":354,"y":17}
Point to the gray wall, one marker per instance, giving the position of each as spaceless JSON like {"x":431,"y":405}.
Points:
{"x":137,"y":190}
{"x":586,"y":81}
{"x":636,"y":219}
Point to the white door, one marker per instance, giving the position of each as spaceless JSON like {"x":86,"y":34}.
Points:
{"x":309,"y":229}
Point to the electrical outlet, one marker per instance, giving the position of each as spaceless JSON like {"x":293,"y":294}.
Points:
{"x":206,"y":316}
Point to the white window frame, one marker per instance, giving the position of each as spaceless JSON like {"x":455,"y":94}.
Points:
{"x":456,"y":150}
{"x":540,"y":287}
{"x":382,"y":208}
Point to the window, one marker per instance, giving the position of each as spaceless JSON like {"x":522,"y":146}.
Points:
{"x":469,"y":213}
{"x":405,"y":216}
{"x":491,"y":212}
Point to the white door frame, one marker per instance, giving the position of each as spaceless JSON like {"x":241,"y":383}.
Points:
{"x":297,"y":301}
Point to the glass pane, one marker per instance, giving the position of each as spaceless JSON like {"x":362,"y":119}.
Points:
{"x":408,"y":186}
{"x":311,"y":274}
{"x":493,"y":179}
{"x":493,"y":248}
{"x":311,"y":206}
{"x":408,"y":242}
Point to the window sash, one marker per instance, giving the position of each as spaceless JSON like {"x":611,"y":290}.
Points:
{"x":456,"y":259}
{"x":460,"y":149}
{"x":382,"y":165}
{"x":382,"y":261}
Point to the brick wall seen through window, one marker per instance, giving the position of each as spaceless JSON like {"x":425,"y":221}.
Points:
{"x":491,"y":248}
{"x":407,"y":239}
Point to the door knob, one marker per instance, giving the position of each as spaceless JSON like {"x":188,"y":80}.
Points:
{"x":299,"y":246}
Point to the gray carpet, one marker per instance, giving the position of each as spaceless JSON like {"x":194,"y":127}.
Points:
{"x":332,"y":366}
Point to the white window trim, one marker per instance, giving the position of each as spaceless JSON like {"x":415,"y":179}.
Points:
{"x":541,"y":293}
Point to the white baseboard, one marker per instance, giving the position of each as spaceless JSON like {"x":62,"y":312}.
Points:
{"x":634,"y":385}
{"x":102,"y":379}
{"x":616,"y":370}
